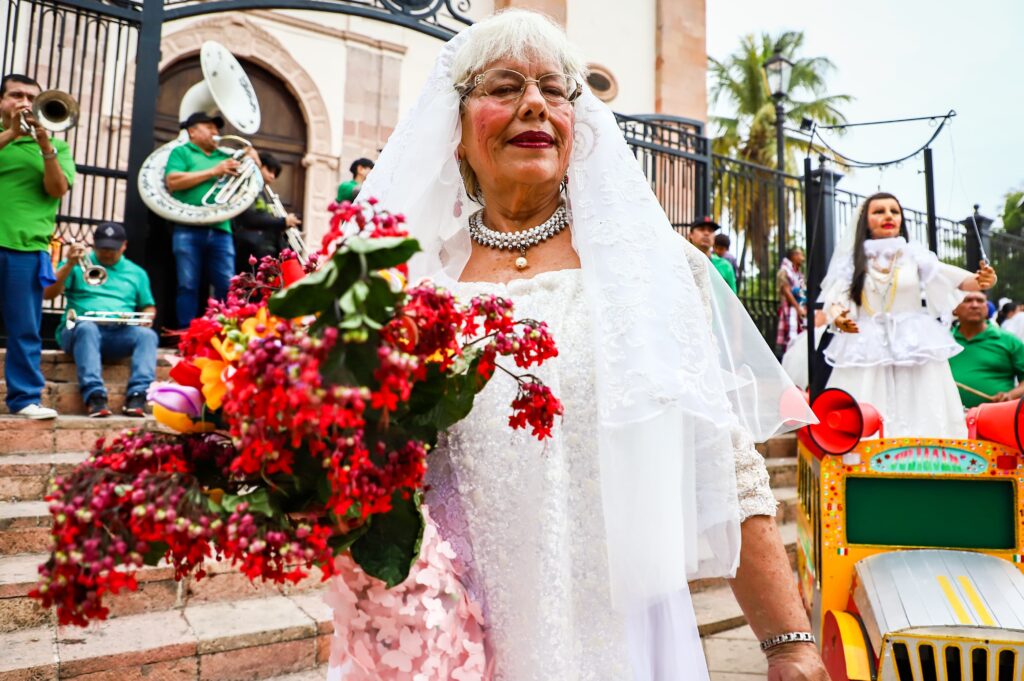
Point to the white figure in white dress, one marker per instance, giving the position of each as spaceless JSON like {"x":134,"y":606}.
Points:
{"x":892,"y":302}
{"x":578,"y":550}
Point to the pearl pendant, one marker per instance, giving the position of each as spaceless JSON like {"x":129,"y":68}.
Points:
{"x":521,"y":262}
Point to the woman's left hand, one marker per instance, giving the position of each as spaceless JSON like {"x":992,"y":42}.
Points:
{"x":986,"y":276}
{"x":796,"y":662}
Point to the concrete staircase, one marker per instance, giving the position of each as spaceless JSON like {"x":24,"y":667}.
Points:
{"x":220,"y":628}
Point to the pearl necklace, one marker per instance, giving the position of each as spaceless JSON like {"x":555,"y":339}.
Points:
{"x":519,"y":240}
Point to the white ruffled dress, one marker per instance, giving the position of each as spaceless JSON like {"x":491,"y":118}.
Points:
{"x":898,"y":362}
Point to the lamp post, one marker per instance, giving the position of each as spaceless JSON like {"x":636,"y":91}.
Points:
{"x":778,"y":69}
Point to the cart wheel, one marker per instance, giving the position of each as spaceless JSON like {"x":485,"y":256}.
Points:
{"x":846,"y":653}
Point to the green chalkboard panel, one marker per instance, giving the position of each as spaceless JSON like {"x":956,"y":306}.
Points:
{"x":939,"y":512}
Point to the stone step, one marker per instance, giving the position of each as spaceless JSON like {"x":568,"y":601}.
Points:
{"x":25,"y":477}
{"x":24,"y":527}
{"x":734,"y":655}
{"x":66,"y":433}
{"x":245,"y":640}
{"x":58,"y":366}
{"x":780,"y":446}
{"x":788,"y":532}
{"x":158,"y":590}
{"x":781,"y":471}
{"x":717,"y":610}
{"x":315,"y":674}
{"x":789,"y":504}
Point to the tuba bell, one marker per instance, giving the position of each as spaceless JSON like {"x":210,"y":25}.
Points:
{"x":226,"y":88}
{"x":55,"y":110}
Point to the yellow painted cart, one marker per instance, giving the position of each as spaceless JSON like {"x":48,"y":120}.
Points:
{"x":910,"y":558}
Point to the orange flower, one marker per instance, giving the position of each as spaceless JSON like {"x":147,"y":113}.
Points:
{"x":262,"y":318}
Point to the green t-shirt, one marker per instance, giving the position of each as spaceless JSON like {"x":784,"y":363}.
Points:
{"x":992,"y":362}
{"x":188,"y":158}
{"x":125,"y":290}
{"x":347,"y":191}
{"x":724,"y":268}
{"x":27,"y":212}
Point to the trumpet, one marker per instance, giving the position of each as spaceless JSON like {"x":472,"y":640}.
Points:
{"x":227,"y":187}
{"x":55,"y":110}
{"x":293,"y":235}
{"x":120,"y":318}
{"x":93,"y":273}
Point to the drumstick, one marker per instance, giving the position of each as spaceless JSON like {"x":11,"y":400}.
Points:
{"x":971,"y":390}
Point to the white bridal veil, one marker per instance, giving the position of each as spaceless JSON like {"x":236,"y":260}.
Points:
{"x":676,"y":372}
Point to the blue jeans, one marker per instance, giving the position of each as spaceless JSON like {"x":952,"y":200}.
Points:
{"x":91,"y":343}
{"x":21,"y":303}
{"x":199,"y":250}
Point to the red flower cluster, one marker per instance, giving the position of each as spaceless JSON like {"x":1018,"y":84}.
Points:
{"x":137,"y":499}
{"x":321,"y":428}
{"x":536,"y":406}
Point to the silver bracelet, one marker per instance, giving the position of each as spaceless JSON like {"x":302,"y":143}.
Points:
{"x":782,"y":639}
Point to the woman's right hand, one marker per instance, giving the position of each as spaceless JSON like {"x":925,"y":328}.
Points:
{"x":845,"y":324}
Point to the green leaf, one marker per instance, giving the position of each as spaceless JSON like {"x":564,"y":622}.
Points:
{"x":340,"y":543}
{"x":156,"y":551}
{"x":259,"y":502}
{"x":384,"y":252}
{"x":311,"y":294}
{"x":442,"y":400}
{"x":391,"y":543}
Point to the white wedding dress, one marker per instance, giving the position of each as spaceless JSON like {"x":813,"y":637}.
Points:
{"x":898,"y":361}
{"x":525,"y":517}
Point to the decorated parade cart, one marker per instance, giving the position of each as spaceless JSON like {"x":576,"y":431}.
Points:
{"x":910,"y":549}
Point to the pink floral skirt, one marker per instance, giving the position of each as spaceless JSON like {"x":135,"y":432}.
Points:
{"x":425,"y":629}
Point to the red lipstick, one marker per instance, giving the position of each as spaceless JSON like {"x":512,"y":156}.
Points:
{"x":533,"y":139}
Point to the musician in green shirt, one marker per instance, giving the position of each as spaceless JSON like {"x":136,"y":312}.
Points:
{"x":360,"y":168}
{"x":125,"y":289}
{"x":192,"y":169}
{"x":992,"y":360}
{"x":36,"y":170}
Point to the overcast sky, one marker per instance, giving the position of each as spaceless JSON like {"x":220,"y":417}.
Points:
{"x":904,"y":58}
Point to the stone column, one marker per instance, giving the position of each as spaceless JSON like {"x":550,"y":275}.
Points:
{"x":553,"y":8}
{"x":680,"y":76}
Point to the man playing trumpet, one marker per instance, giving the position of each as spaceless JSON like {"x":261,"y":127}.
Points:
{"x":124,"y":289}
{"x":192,"y":169}
{"x":36,"y":170}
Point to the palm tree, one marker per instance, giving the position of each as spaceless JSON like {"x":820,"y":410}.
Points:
{"x":749,"y":134}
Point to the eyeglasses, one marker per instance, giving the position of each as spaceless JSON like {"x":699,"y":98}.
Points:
{"x":507,"y":86}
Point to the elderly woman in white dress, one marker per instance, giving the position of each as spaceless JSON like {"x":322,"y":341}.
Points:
{"x":578,"y":550}
{"x":893,"y":352}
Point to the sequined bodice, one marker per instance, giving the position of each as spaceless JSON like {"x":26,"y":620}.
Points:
{"x":526,"y":517}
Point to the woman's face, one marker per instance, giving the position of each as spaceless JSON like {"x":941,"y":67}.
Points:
{"x":884,"y":218}
{"x":525,"y":141}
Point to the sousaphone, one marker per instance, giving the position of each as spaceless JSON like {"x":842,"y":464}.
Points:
{"x":227,"y":89}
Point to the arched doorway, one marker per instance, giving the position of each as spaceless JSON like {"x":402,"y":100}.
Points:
{"x":283,"y":131}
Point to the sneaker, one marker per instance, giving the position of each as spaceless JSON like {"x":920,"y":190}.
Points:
{"x":96,"y":406}
{"x":135,"y":405}
{"x":37,"y":412}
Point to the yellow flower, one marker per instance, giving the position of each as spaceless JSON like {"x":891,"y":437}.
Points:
{"x":180,"y":422}
{"x":213,"y":374}
{"x":262,"y":317}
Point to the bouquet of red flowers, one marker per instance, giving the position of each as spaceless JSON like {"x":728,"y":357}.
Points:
{"x":302,"y":419}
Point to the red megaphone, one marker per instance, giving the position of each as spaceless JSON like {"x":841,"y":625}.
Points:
{"x":842,"y":422}
{"x":1001,"y":422}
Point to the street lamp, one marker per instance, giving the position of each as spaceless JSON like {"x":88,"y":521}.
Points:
{"x":778,"y":69}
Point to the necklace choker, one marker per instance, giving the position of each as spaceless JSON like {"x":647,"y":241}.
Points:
{"x":519,"y":240}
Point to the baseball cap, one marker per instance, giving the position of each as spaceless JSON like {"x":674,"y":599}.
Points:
{"x":705,"y":221}
{"x":109,"y":235}
{"x":202,"y":117}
